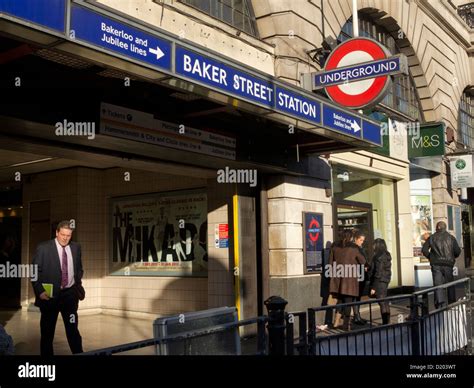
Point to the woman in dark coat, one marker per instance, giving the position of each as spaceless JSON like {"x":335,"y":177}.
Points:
{"x":381,"y":273}
{"x":345,"y":281}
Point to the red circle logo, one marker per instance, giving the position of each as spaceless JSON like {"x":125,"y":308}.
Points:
{"x":313,"y":230}
{"x":357,"y":94}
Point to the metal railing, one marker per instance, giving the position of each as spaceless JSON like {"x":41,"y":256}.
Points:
{"x":301,"y":346}
{"x":418,"y":329}
{"x":466,"y":12}
{"x":369,"y":340}
{"x":187,"y":336}
{"x":446,"y":330}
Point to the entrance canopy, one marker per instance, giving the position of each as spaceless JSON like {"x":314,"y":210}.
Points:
{"x":106,"y":38}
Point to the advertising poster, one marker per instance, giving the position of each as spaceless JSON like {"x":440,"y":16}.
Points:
{"x":421,"y":220}
{"x":221,"y":235}
{"x":159,"y":235}
{"x":313,"y":241}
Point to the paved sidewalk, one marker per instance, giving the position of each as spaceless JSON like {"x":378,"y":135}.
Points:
{"x":97,"y":331}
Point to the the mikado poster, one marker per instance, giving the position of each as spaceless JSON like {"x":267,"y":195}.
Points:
{"x":159,"y":235}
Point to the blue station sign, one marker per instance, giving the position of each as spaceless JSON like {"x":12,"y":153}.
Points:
{"x":341,"y":121}
{"x":50,"y":14}
{"x":224,"y":77}
{"x":297,"y":105}
{"x":371,"y":132}
{"x":393,"y":65}
{"x":120,"y":38}
{"x":96,"y":28}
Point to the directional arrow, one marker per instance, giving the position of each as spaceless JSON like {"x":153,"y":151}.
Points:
{"x":355,"y":127}
{"x":96,"y":29}
{"x":157,"y":52}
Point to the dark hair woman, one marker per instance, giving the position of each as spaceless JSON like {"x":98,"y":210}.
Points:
{"x":381,"y":273}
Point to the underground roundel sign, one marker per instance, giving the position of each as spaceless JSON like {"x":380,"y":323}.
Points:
{"x":357,"y":73}
{"x":313,"y":230}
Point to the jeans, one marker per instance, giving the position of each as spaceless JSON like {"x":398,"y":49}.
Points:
{"x":441,"y":275}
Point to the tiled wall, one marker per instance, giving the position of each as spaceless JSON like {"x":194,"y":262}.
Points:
{"x":91,"y":216}
{"x":155,"y":295}
{"x":60,"y":188}
{"x":82,"y":194}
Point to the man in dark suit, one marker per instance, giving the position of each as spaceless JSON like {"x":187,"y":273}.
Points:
{"x":59,"y":263}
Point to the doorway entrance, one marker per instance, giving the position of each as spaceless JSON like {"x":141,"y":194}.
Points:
{"x":357,"y":217}
{"x":11,"y":212}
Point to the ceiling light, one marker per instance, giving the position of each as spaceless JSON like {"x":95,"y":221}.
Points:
{"x":30,"y":162}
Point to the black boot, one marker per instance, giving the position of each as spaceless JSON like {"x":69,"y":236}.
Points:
{"x":359,"y":321}
{"x":345,"y":325}
{"x":385,"y":318}
{"x":328,"y":318}
{"x":357,"y":318}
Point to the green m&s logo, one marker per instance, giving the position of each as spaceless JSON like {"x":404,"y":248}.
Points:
{"x":460,"y":164}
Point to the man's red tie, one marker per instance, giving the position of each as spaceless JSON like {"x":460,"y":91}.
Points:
{"x":64,"y":273}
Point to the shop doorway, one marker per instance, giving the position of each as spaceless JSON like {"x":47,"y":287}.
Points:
{"x":369,"y":201}
{"x":466,"y":219}
{"x":11,"y":212}
{"x":356,"y":216}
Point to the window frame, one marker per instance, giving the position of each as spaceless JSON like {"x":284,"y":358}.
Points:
{"x":216,"y":11}
{"x":466,"y":120}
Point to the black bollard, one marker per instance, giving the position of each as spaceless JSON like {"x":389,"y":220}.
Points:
{"x":276,"y":324}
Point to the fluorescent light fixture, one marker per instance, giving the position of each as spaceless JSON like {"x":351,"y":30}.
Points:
{"x":30,"y":162}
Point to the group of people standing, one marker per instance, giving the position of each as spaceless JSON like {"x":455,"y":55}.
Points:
{"x":348,"y":285}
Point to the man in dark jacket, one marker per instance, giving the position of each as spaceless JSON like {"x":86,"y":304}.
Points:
{"x":60,"y":267}
{"x":442,"y":249}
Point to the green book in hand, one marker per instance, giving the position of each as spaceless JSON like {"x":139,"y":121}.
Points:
{"x":48,"y":287}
